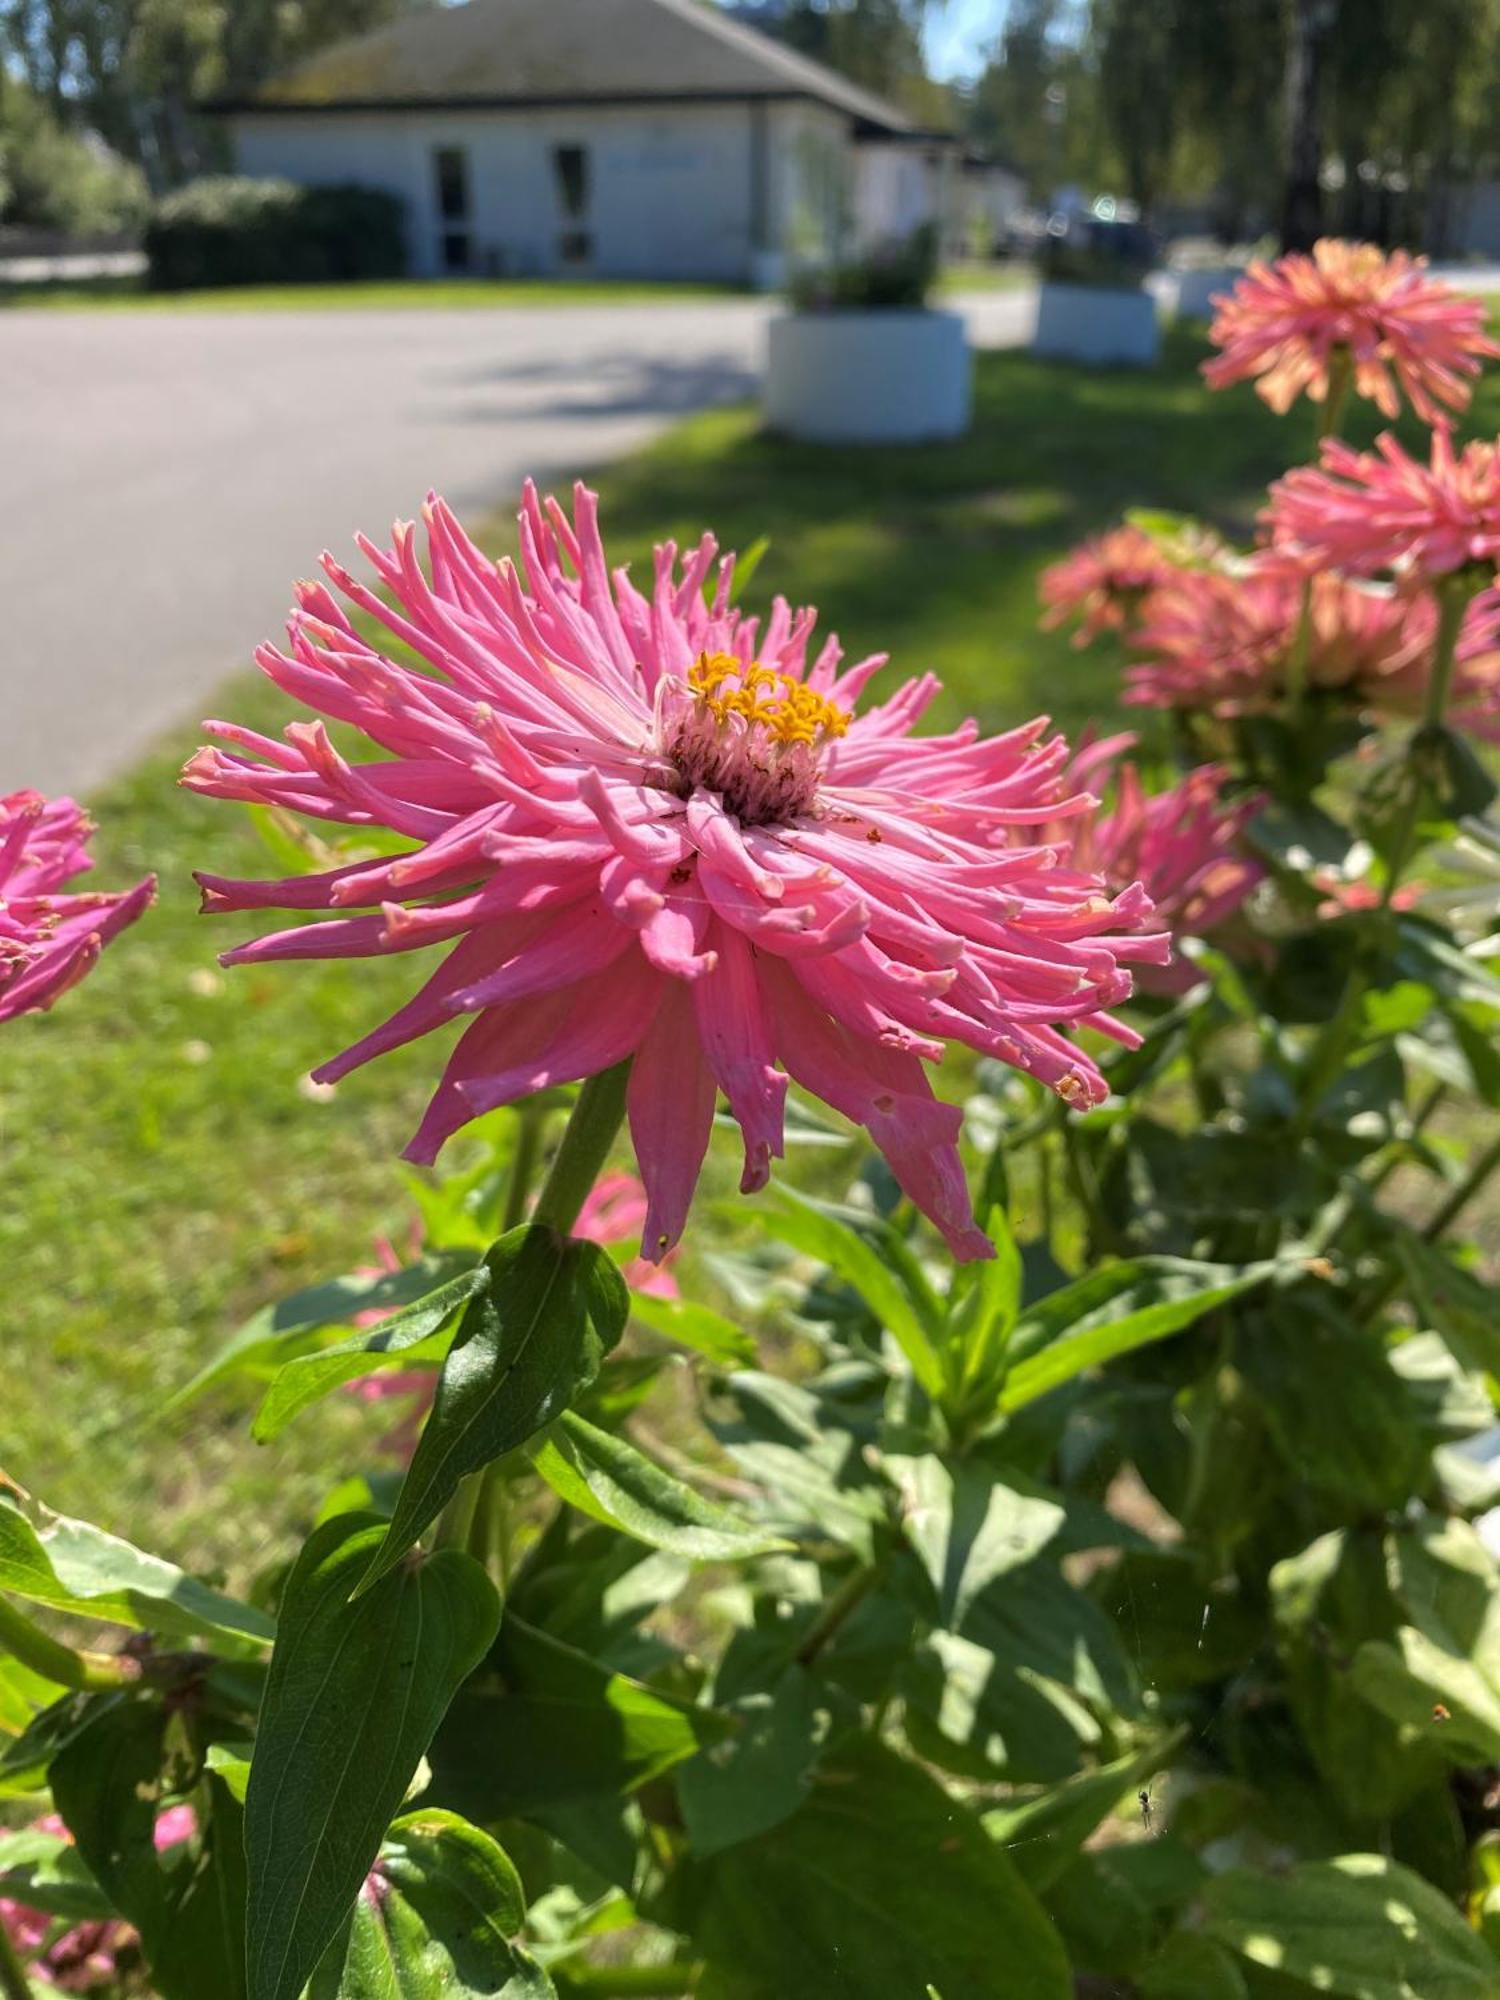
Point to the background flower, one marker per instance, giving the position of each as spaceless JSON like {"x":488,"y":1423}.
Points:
{"x":48,"y":940}
{"x":1104,"y":582}
{"x":1404,"y":332}
{"x":656,"y":829}
{"x":1371,"y":511}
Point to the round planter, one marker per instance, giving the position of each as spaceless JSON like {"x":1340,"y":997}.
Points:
{"x":868,"y":377}
{"x":1197,"y":290}
{"x":1097,"y":323}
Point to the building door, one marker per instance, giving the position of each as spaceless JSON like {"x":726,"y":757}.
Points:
{"x":573,"y":179}
{"x":451,"y":188}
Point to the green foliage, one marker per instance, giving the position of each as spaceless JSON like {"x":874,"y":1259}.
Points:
{"x":356,"y":1692}
{"x":55,"y":178}
{"x":226,"y":231}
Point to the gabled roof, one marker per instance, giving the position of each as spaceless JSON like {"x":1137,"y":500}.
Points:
{"x":512,"y":53}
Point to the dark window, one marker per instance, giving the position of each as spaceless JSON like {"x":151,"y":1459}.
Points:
{"x":450,"y":166}
{"x":571,"y":166}
{"x":575,"y":246}
{"x":457,"y":254}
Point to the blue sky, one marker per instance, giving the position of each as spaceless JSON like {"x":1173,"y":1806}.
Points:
{"x":959,"y":33}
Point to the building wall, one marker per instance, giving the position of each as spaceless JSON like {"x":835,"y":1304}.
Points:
{"x":671,"y":192}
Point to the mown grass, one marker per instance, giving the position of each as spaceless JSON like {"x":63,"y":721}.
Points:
{"x":365,"y":295}
{"x":163,"y":1173}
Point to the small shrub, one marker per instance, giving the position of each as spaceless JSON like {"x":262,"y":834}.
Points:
{"x":1116,"y":255}
{"x":895,"y":276}
{"x":227,"y":230}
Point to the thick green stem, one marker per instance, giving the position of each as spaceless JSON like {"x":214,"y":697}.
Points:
{"x":586,"y":1143}
{"x":14,"y":1984}
{"x":844,"y":1602}
{"x":57,"y":1662}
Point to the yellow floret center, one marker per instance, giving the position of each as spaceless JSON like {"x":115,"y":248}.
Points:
{"x":787,"y":710}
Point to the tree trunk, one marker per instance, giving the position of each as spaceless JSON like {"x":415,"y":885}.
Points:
{"x":1302,"y":198}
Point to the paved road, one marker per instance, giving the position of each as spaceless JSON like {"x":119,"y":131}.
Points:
{"x":163,"y":478}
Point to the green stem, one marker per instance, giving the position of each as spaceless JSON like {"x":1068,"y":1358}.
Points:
{"x":523,"y":1166}
{"x":1330,"y":1049}
{"x":456,"y":1522}
{"x":844,"y":1602}
{"x":586,"y":1143}
{"x":1340,"y":381}
{"x":1296,"y":675}
{"x":57,"y":1662}
{"x":1464,"y":1193}
{"x":1453,"y":595}
{"x":681,"y":1976}
{"x":13,"y":1981}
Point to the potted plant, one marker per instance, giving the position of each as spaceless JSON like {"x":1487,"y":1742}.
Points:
{"x":860,"y":357}
{"x":1202,"y":272}
{"x":1093,"y":304}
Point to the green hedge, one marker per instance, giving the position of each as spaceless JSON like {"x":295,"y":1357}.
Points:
{"x":231,"y":231}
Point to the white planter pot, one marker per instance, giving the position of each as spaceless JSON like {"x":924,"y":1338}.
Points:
{"x":1096,"y":323}
{"x":1196,"y":290}
{"x":888,"y":377}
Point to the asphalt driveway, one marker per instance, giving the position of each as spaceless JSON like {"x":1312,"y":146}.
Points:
{"x":164,"y":477}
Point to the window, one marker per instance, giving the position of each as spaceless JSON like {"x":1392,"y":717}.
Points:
{"x":450,"y":166}
{"x":450,"y":173}
{"x":571,"y":166}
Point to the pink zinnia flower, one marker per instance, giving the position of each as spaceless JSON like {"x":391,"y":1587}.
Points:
{"x":1224,"y":643}
{"x":660,"y":832}
{"x":1284,"y":323}
{"x":1370,"y":511}
{"x":49,"y":941}
{"x":1104,"y":582}
{"x":1183,"y":845}
{"x":86,"y":1957}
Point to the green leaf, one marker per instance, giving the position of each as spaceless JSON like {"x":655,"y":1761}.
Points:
{"x":881,"y":1886}
{"x":46,"y":1872}
{"x":1359,"y":1926}
{"x":760,"y":1776}
{"x":811,"y":1463}
{"x":557,"y":1728}
{"x":969,"y":1526}
{"x":983,"y":1317}
{"x":435,"y":1922}
{"x":290,"y":1326}
{"x":882,"y":1270}
{"x":1189,"y":1967}
{"x":1114,"y":1311}
{"x":75,"y":1567}
{"x":310,"y":1376}
{"x":1047,"y":1831}
{"x":526,"y":1348}
{"x":356,"y":1692}
{"x":188,"y":1904}
{"x":691,"y":1325}
{"x":607,"y":1478}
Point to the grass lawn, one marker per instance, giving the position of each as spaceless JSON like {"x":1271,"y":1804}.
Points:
{"x":163,"y":1173}
{"x":383,"y":294}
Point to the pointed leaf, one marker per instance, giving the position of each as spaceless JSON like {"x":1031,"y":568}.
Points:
{"x":691,"y":1325}
{"x":1045,"y":1833}
{"x":304,"y":1380}
{"x":526,"y":1348}
{"x":76,"y":1567}
{"x":277,"y":1332}
{"x":1113,"y":1311}
{"x":887,"y":1278}
{"x":356,"y":1692}
{"x":607,"y":1478}
{"x":46,"y":1872}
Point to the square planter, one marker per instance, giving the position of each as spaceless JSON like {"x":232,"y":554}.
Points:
{"x":1097,"y":323}
{"x":1197,"y":290}
{"x":884,"y":377}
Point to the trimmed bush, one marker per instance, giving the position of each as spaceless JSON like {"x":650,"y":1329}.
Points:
{"x":228,"y":230}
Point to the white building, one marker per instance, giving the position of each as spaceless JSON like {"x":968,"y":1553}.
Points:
{"x":621,"y":138}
